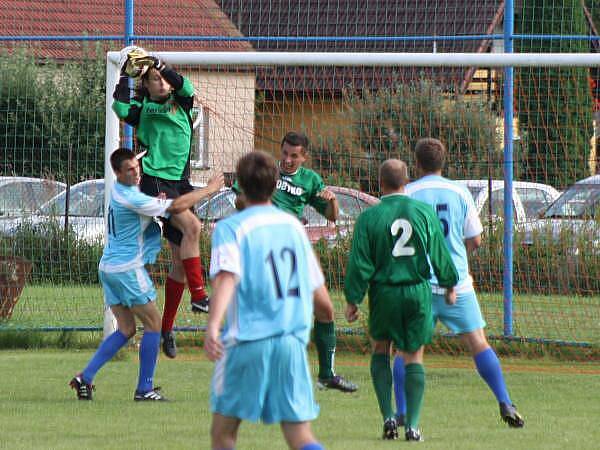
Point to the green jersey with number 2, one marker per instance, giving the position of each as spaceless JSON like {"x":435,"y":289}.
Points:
{"x":391,"y":245}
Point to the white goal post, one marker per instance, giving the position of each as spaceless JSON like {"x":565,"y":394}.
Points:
{"x":487,"y":60}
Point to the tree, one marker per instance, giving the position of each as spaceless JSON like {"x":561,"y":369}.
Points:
{"x":387,"y":124}
{"x":51,"y":115}
{"x":554,"y":104}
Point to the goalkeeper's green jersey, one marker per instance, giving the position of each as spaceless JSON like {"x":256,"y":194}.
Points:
{"x":294,"y":191}
{"x":393,"y":243}
{"x":163,"y":129}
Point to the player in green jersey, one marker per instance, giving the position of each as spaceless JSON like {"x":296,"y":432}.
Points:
{"x":160,"y":114}
{"x":297,"y":187}
{"x":392,"y":245}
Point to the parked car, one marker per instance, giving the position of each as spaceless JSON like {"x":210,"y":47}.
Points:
{"x":529,"y":199}
{"x":86,"y":212}
{"x":574,"y":218}
{"x":351,"y":204}
{"x":20,"y":196}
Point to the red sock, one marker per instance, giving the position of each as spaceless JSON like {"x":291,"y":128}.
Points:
{"x":195,"y":277}
{"x":173,"y":294}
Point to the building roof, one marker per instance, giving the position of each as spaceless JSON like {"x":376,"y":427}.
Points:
{"x":107,"y":18}
{"x":380,"y":18}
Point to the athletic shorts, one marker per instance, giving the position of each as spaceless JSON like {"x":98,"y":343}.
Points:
{"x":153,"y":186}
{"x":462,"y":317}
{"x":401,"y":314}
{"x":131,"y":288}
{"x":266,"y":380}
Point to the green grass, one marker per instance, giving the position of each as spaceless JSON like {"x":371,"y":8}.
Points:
{"x":561,"y":405}
{"x":536,"y":316}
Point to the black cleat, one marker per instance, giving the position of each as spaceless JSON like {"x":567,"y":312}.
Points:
{"x":201,"y":306}
{"x":511,"y":416}
{"x":414,"y":435}
{"x":168,"y":345}
{"x":151,"y":396}
{"x":84,"y":390}
{"x":336,"y":382}
{"x":390,"y":430}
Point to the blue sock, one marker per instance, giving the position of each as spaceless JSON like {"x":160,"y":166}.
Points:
{"x":313,"y":446}
{"x":488,"y":366}
{"x":148,"y":357}
{"x":108,"y":348}
{"x":399,"y":385}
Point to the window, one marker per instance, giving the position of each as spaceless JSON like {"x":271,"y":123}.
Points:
{"x":497,"y":207}
{"x":200,"y":142}
{"x":218,"y":207}
{"x":534,"y":200}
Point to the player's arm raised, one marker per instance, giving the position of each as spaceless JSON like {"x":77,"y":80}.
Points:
{"x":188,"y":200}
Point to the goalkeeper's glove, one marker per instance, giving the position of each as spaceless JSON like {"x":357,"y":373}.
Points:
{"x":135,"y":61}
{"x":157,"y":63}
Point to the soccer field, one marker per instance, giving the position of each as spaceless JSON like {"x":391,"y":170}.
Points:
{"x":549,"y":317}
{"x":560,"y":402}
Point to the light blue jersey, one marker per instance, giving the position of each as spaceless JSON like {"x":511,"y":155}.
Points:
{"x":269,"y":252}
{"x":133,"y":237}
{"x":456,"y":210}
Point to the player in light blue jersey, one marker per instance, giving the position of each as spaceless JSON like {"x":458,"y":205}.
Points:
{"x":264,"y":275}
{"x":133,"y":240}
{"x":462,"y":229}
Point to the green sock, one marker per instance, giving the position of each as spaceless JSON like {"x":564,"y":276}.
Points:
{"x":381,"y":374}
{"x":414,"y":385}
{"x":325,"y":343}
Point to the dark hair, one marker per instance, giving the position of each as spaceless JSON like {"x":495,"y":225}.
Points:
{"x":140,"y":90}
{"x":257,"y":175}
{"x":295,"y":139}
{"x":431,"y":154}
{"x":118,"y":156}
{"x":393,"y":174}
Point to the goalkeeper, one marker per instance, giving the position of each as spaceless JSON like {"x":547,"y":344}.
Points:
{"x":160,"y":114}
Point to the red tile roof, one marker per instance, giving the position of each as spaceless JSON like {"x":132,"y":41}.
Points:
{"x":107,"y":18}
{"x":372,"y":18}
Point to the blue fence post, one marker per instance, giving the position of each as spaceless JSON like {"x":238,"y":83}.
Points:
{"x":509,"y":26}
{"x":128,"y":131}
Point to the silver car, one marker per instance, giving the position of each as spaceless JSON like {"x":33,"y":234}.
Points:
{"x":574,"y":218}
{"x":529,"y":199}
{"x":21,"y":196}
{"x":85,"y":212}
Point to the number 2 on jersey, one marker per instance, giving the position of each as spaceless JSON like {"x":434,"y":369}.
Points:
{"x":292,"y":291}
{"x":400,"y":248}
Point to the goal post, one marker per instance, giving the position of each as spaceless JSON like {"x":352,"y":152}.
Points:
{"x":367,"y":110}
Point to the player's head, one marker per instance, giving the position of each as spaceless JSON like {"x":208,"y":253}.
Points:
{"x":393,"y":175}
{"x":293,"y":151}
{"x":153,"y":85}
{"x":431,"y":155}
{"x":257,"y":175}
{"x":126,"y":166}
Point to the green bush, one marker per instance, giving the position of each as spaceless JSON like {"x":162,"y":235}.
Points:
{"x":546,"y":267}
{"x":57,"y":256}
{"x":53,"y":116}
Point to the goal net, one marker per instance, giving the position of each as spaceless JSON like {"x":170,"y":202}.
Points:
{"x":359,"y":109}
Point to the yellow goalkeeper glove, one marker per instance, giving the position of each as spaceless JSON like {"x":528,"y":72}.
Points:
{"x":136,"y":61}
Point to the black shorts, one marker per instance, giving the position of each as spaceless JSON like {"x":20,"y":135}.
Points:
{"x":153,"y":186}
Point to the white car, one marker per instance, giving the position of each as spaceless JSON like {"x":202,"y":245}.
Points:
{"x":529,"y":199}
{"x":86,"y":212}
{"x":573,"y":219}
{"x":20,"y":196}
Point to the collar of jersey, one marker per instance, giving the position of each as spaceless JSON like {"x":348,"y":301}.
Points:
{"x":395,"y":194}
